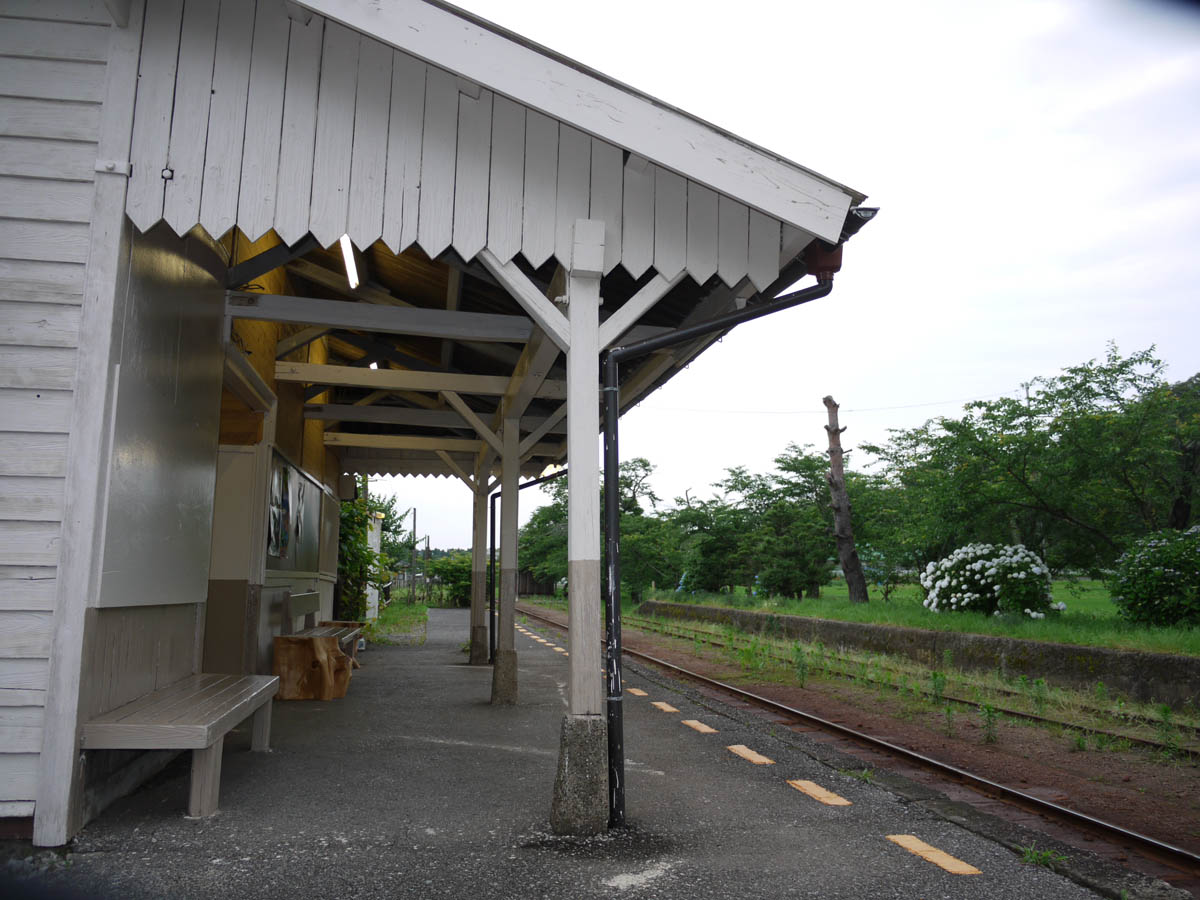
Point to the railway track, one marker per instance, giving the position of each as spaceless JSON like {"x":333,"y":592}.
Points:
{"x":706,"y":637}
{"x":1176,"y":865}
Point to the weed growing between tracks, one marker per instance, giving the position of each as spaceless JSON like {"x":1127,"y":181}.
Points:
{"x":1031,"y":855}
{"x":1108,"y":722}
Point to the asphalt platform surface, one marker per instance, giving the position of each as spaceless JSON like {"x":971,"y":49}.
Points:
{"x":415,"y":786}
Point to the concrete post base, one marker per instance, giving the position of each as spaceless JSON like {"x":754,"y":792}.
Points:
{"x":504,"y":677}
{"x":580,"y":804}
{"x":479,"y":645}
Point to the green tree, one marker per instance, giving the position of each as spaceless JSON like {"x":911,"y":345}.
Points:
{"x":1076,"y":468}
{"x":454,"y":572}
{"x":358,"y":564}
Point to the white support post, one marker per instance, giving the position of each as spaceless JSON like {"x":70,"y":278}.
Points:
{"x":504,"y":671}
{"x":479,"y":628}
{"x":580,"y":803}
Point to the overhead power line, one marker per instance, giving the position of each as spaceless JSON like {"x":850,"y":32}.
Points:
{"x":820,"y":412}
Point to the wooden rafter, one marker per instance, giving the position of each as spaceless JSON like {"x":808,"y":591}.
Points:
{"x":437,"y":323}
{"x":400,"y":380}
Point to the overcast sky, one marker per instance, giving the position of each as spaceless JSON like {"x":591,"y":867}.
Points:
{"x":1037,"y":166}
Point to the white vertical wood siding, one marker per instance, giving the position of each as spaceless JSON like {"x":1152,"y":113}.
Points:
{"x":325,"y":130}
{"x":52,"y":66}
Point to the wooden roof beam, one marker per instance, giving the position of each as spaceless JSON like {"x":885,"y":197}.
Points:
{"x":437,"y":323}
{"x":404,"y":380}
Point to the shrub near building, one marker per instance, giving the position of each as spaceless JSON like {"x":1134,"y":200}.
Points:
{"x":991,"y":579}
{"x":1157,"y":581}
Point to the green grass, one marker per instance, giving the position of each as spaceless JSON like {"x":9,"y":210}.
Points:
{"x":1090,"y":619}
{"x":398,"y":617}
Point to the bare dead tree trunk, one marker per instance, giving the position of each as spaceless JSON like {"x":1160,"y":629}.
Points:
{"x":842,"y":529}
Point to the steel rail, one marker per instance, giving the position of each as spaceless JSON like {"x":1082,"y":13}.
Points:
{"x":1161,"y":850}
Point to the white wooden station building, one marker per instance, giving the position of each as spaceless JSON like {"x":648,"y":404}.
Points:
{"x":188,"y":376}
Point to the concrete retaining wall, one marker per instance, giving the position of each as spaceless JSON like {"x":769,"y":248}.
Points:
{"x":1161,"y":677}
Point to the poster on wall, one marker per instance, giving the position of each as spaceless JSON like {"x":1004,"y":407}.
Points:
{"x":279,"y":514}
{"x":293,"y":514}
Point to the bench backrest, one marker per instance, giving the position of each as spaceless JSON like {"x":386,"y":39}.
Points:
{"x":307,"y":604}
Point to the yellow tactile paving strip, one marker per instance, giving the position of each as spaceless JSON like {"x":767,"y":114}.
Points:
{"x":750,"y":755}
{"x":909,"y":842}
{"x":814,"y":790}
{"x":941,"y":858}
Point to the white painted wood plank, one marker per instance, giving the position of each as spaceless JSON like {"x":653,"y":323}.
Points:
{"x":18,"y":776}
{"x":335,"y":135}
{"x":39,"y":281}
{"x":604,"y":201}
{"x":733,"y":240}
{"x":16,"y":809}
{"x":539,"y":308}
{"x":24,"y":117}
{"x":507,"y":184}
{"x":152,"y":112}
{"x":227,"y":118}
{"x":90,"y":11}
{"x":31,"y":499}
{"x":39,"y":325}
{"x":77,"y":585}
{"x":37,"y":367}
{"x":635,"y":307}
{"x":637,"y":217}
{"x":402,"y":193}
{"x":53,"y":40}
{"x":20,"y":738}
{"x":594,"y":104}
{"x":24,"y":634}
{"x":45,"y":199}
{"x":368,"y":168}
{"x":670,"y":223}
{"x":24,"y":453}
{"x":44,"y":411}
{"x":26,"y":587}
{"x":60,"y":241}
{"x":763,"y":260}
{"x":52,"y":79}
{"x":264,"y":119}
{"x":67,"y":161}
{"x":701,"y":232}
{"x":20,"y":715}
{"x":189,"y":120}
{"x":792,"y":243}
{"x":574,"y":186}
{"x":438,"y":150}
{"x":293,"y":191}
{"x":23,"y":674}
{"x":472,"y":173}
{"x":541,"y":184}
{"x":21,"y":697}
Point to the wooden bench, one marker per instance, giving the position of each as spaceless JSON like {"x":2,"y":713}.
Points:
{"x":192,"y":714}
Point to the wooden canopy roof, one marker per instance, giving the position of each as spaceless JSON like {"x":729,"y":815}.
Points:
{"x":457,"y":157}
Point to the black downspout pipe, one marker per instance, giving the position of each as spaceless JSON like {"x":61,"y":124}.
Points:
{"x":491,"y":580}
{"x":491,"y":584}
{"x":612,"y":463}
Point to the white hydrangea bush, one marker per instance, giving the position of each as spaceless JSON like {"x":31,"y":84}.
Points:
{"x":992,"y":579}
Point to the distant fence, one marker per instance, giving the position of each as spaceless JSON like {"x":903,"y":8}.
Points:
{"x":527,"y":585}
